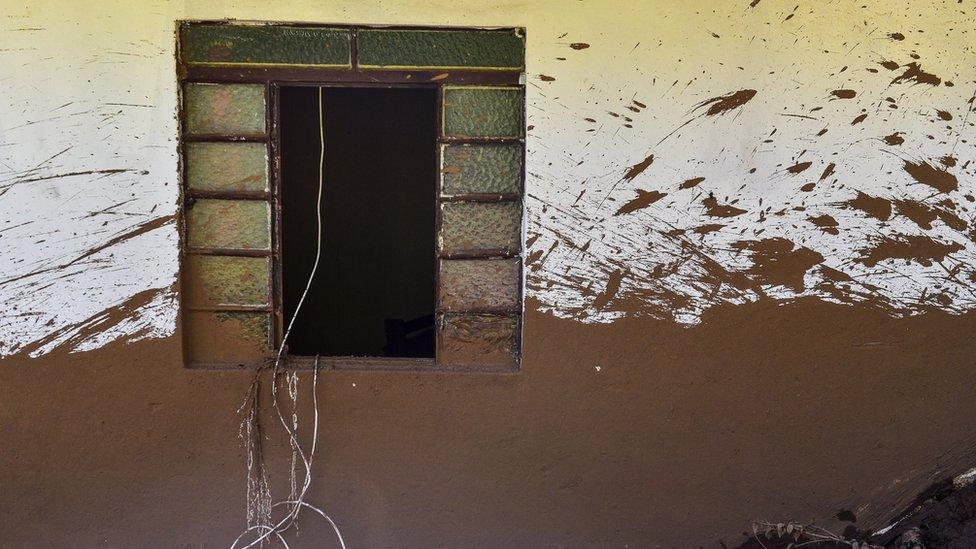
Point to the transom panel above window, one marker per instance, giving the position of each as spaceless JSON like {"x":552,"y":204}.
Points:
{"x":402,"y":147}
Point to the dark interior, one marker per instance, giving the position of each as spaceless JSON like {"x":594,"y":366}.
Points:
{"x":373,"y":293}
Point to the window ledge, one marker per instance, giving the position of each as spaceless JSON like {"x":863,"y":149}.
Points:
{"x":363,"y":364}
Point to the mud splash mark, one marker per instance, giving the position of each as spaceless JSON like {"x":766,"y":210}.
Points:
{"x":716,"y":106}
{"x":610,"y":292}
{"x":894,"y":139}
{"x":638,"y":168}
{"x":69,"y":338}
{"x":799,"y":167}
{"x":579,"y":45}
{"x":927,"y":174}
{"x":896,"y":36}
{"x":826,"y":223}
{"x":917,"y":213}
{"x":916,"y":248}
{"x":779,"y":262}
{"x":546,"y":78}
{"x":943,"y":115}
{"x":914,"y":73}
{"x":643,"y":200}
{"x":923,"y":215}
{"x":754,"y":3}
{"x":139,"y":229}
{"x":714,"y":209}
{"x":859,"y":119}
{"x":726,"y":103}
{"x":878,"y":208}
{"x":691,"y":183}
{"x":828,"y":171}
{"x":890,"y":65}
{"x":844,"y":94}
{"x":708,"y":228}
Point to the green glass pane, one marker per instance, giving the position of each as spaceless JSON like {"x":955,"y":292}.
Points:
{"x":479,"y":284}
{"x":264,"y":45}
{"x":225,"y":109}
{"x":227,"y":166}
{"x":477,"y":340}
{"x":498,"y":49}
{"x":471,"y":227}
{"x":213,"y":281}
{"x":482,"y":112}
{"x":230,"y":224}
{"x":227,"y":337}
{"x":481,"y":168}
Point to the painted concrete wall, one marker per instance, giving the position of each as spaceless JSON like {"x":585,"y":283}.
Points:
{"x":757,"y":216}
{"x":686,"y":157}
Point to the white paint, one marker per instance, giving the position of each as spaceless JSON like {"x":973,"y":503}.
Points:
{"x":90,"y":87}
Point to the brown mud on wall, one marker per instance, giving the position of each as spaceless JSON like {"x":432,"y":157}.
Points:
{"x":639,"y":432}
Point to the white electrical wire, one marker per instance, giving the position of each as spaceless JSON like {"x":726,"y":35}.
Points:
{"x":296,"y":502}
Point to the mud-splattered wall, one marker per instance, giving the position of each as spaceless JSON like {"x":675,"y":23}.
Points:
{"x":695,"y":169}
{"x":680,"y":156}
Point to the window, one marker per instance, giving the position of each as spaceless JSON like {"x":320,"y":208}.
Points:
{"x":421,"y":262}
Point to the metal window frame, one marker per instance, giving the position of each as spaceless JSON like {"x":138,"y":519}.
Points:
{"x":273,"y":78}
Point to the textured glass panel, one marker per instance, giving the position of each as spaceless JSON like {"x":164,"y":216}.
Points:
{"x":226,"y":109}
{"x":477,"y":340}
{"x":468,"y":226}
{"x":264,"y":45}
{"x":481,"y":168}
{"x":227,"y":166}
{"x":479,"y":284}
{"x":227,"y":337}
{"x":224,"y":280}
{"x":482,"y":112}
{"x":233,"y":224}
{"x":441,"y":48}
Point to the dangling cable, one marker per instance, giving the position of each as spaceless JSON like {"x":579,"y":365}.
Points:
{"x":295,"y":502}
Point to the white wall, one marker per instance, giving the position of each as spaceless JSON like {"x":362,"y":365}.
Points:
{"x":88,"y":168}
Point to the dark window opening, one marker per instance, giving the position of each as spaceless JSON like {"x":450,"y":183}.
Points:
{"x":374,"y":292}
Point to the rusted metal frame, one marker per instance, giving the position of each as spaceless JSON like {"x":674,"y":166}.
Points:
{"x":480,"y":197}
{"x":274,"y":174}
{"x":225,"y":138}
{"x":230,"y":195}
{"x":339,"y":26}
{"x":272,"y":77}
{"x":449,"y":140}
{"x":230,"y":308}
{"x":495,"y":253}
{"x":438,"y":219}
{"x":485,"y":254}
{"x":256,"y":75}
{"x":235,"y":252}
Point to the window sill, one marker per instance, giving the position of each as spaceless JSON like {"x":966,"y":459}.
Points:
{"x":365,"y":364}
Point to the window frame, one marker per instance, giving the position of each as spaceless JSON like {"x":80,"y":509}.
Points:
{"x":272,"y":78}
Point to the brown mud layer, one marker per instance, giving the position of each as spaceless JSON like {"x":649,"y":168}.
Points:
{"x":639,"y":432}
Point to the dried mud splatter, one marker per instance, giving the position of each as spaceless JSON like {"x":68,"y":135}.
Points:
{"x":878,"y":208}
{"x":826,"y":223}
{"x":914,"y":73}
{"x":610,"y":292}
{"x":915,"y":248}
{"x":927,"y":174}
{"x":726,"y":103}
{"x":779,"y":262}
{"x":714,"y":209}
{"x":638,"y":168}
{"x":643,"y":200}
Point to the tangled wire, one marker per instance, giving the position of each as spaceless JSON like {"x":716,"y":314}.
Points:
{"x":259,"y":507}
